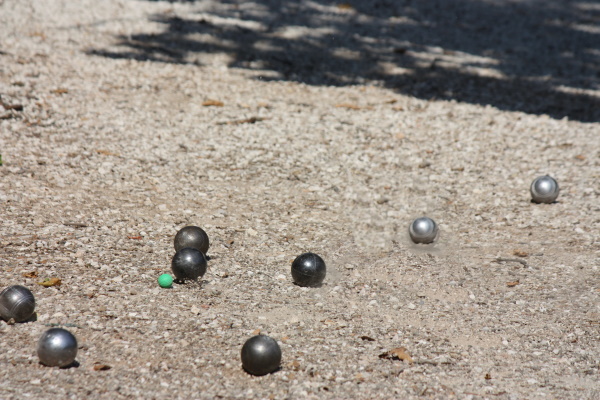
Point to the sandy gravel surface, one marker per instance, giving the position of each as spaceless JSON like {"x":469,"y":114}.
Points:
{"x":285,"y":127}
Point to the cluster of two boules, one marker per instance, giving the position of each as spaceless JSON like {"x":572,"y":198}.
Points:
{"x":57,"y":347}
{"x":544,"y":189}
{"x":190,"y":260}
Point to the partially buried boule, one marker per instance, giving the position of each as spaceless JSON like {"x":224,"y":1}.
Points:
{"x":57,"y":348}
{"x":17,"y":303}
{"x":308,"y":269}
{"x":423,"y":230}
{"x":261,"y":355}
{"x":192,"y":236}
{"x":188,"y":264}
{"x":544,"y":189}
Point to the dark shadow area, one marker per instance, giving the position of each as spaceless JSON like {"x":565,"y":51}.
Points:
{"x":74,"y":364}
{"x":533,"y":56}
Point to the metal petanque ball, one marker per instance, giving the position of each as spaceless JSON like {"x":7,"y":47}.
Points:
{"x":261,"y":355}
{"x":423,"y":230}
{"x":308,"y":269}
{"x":192,"y":236}
{"x":188,"y":263}
{"x":544,"y":189}
{"x":57,"y":348}
{"x":16,"y":302}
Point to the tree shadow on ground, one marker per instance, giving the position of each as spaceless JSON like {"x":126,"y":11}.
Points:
{"x":534,"y":56}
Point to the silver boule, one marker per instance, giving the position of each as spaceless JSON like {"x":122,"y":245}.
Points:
{"x":544,"y":189}
{"x":423,"y":230}
{"x":57,"y":348}
{"x":16,"y":302}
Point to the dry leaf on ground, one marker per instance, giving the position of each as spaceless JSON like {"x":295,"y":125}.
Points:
{"x":397,"y":353}
{"x":213,"y":103}
{"x":345,"y":6}
{"x":520,"y":253}
{"x":50,"y":282}
{"x":106,"y":153}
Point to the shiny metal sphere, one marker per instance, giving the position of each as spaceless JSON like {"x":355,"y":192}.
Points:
{"x":308,"y":269}
{"x":192,"y":236}
{"x":423,"y":230}
{"x":57,"y":348}
{"x":16,"y":302}
{"x":188,"y":263}
{"x":544,"y":189}
{"x":261,"y":355}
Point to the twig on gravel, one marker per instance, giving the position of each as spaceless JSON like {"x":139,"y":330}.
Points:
{"x":487,"y":394}
{"x":16,"y":107}
{"x":250,"y":120}
{"x":431,"y":362}
{"x":75,"y":224}
{"x":8,"y":115}
{"x":501,"y":259}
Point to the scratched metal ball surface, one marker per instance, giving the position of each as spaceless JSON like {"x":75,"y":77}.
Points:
{"x":188,"y":264}
{"x":192,"y":236}
{"x":308,"y":269}
{"x":544,"y":189}
{"x":423,"y":230}
{"x":16,"y":302}
{"x":57,"y":348}
{"x":261,"y":355}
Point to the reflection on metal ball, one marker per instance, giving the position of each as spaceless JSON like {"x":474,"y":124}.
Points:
{"x":192,"y":236}
{"x":423,"y":230}
{"x":544,"y":189}
{"x":188,"y":263}
{"x":261,"y":355}
{"x":16,"y":302}
{"x":57,"y":348}
{"x":308,"y":269}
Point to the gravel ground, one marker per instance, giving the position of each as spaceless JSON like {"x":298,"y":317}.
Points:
{"x":282,"y":128}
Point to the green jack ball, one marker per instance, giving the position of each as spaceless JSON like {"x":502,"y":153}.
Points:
{"x":165,"y":281}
